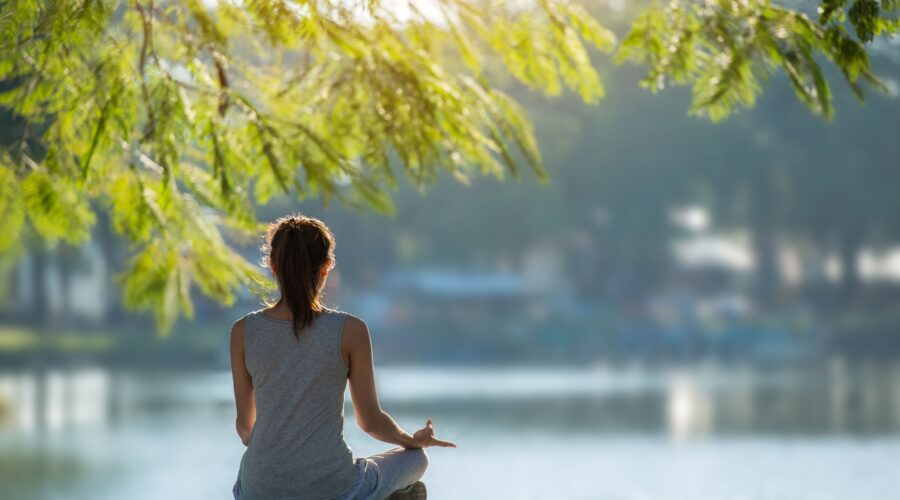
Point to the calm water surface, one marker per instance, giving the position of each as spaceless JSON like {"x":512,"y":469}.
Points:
{"x":829,"y":430}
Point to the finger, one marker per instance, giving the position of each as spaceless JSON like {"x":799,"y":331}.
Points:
{"x":429,"y":424}
{"x":444,"y":444}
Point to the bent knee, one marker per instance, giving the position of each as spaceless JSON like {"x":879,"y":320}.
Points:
{"x":420,"y":458}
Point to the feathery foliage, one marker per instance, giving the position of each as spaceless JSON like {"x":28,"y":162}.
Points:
{"x":725,"y":49}
{"x":177,"y":117}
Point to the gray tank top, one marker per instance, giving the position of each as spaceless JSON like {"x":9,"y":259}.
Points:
{"x":297,"y":448}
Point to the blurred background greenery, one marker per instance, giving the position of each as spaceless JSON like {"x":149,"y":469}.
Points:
{"x":686,"y":309}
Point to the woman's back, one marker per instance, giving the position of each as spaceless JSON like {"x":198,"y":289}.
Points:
{"x":297,"y":447}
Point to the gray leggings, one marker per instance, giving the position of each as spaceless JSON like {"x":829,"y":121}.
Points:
{"x":380,"y":475}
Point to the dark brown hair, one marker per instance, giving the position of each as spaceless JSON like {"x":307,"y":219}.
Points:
{"x":297,"y":247}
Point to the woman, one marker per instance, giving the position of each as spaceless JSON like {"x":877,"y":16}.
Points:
{"x":291,"y":362}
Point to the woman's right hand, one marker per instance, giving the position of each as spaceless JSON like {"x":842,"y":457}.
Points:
{"x":424,"y":437}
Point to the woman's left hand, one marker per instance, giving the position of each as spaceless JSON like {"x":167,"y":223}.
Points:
{"x":424,"y":437}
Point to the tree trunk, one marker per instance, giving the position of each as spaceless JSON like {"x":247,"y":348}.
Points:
{"x":111,"y":249}
{"x":40,"y":319}
{"x":65,"y":258}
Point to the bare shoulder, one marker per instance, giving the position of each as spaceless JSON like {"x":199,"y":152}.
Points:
{"x":237,"y":330}
{"x":355,"y":331}
{"x":238,"y":325}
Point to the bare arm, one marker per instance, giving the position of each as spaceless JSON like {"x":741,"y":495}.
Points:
{"x":243,"y":386}
{"x":356,"y":347}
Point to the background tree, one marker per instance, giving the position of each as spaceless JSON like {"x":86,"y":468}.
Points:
{"x":177,"y":117}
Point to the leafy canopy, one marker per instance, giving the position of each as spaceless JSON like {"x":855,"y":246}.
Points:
{"x":725,"y":49}
{"x":176,"y":118}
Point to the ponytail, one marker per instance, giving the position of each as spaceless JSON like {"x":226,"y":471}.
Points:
{"x":296,"y":248}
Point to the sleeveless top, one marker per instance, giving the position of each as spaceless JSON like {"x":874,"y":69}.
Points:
{"x":296,"y":448}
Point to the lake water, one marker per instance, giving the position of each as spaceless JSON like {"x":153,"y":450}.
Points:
{"x":820,"y":431}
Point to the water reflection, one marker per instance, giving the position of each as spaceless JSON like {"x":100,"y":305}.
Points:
{"x":688,"y":408}
{"x":829,"y":398}
{"x":54,"y":400}
{"x":93,"y":433}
